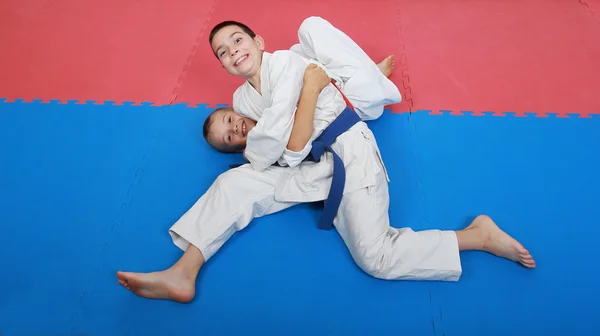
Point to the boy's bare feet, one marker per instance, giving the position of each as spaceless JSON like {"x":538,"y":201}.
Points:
{"x":178,"y":283}
{"x":387,"y":65}
{"x":483,"y":234}
{"x":171,"y":284}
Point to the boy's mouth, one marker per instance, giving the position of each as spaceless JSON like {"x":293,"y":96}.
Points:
{"x":240,"y":60}
{"x":244,"y":128}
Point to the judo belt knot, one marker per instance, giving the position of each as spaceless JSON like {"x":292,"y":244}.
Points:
{"x":320,"y":145}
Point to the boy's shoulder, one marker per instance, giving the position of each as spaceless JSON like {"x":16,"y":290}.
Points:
{"x":285,"y":62}
{"x":284,"y":53}
{"x":287,"y":56}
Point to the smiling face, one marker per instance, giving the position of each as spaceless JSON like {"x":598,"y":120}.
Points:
{"x":238,"y":49}
{"x":227,"y":131}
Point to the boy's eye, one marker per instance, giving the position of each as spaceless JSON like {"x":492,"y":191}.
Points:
{"x":230,"y":120}
{"x":229,"y":138}
{"x":237,"y":40}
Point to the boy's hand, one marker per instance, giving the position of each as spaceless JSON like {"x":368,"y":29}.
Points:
{"x":315,"y":79}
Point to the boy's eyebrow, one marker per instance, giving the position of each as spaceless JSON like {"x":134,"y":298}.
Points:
{"x":230,"y":36}
{"x":224,"y":135}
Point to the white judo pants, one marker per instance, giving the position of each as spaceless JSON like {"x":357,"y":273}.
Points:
{"x":357,"y":74}
{"x":242,"y":194}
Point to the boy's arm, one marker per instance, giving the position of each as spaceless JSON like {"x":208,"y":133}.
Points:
{"x":269,"y":138}
{"x":315,"y":79}
{"x":298,"y":146}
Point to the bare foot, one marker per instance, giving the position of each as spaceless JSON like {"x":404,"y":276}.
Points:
{"x":171,"y":284}
{"x":499,"y":243}
{"x":387,"y":65}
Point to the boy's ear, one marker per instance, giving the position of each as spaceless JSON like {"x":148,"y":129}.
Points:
{"x":260,"y":41}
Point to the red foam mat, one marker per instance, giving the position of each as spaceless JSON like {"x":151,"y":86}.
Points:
{"x":373,"y":25}
{"x":97,"y":49}
{"x":16,"y":15}
{"x":534,"y":55}
{"x":519,"y":57}
{"x":522,"y":56}
{"x":593,"y":6}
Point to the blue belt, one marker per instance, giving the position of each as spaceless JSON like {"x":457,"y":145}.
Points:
{"x":341,"y":124}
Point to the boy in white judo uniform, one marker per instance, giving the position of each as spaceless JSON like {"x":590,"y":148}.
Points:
{"x":363,"y":82}
{"x":261,"y":188}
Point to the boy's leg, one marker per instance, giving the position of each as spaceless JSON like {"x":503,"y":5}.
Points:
{"x":362,"y":81}
{"x":403,"y":254}
{"x":234,"y":199}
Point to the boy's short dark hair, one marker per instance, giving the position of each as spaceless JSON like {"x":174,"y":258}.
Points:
{"x":209,"y":120}
{"x":224,"y":24}
{"x":208,"y":123}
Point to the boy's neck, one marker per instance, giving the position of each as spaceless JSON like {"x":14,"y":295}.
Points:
{"x":255,"y":79}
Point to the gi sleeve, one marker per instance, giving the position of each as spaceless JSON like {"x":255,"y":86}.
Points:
{"x":267,"y":141}
{"x":292,"y":158}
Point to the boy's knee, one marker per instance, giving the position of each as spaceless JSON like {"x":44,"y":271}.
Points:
{"x":369,"y":113}
{"x":372,"y":268}
{"x":372,"y":263}
{"x":229,"y":181}
{"x":310,"y":24}
{"x":381,"y":261}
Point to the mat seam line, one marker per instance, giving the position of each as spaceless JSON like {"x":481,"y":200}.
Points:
{"x":436,"y":310}
{"x":407,"y":94}
{"x":589,"y":9}
{"x":46,"y":4}
{"x":434,"y":112}
{"x":518,"y":114}
{"x":189,"y":61}
{"x":119,"y":219}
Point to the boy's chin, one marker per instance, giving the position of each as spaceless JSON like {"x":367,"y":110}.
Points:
{"x":241,"y":74}
{"x":237,"y":74}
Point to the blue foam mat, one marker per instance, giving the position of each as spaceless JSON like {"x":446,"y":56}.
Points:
{"x":86,"y":190}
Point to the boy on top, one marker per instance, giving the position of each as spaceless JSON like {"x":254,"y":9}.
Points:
{"x":363,"y":82}
{"x":242,"y":194}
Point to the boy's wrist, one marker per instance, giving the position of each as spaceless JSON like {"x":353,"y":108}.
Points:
{"x":310,"y":91}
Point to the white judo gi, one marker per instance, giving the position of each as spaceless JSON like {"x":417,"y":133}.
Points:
{"x":258,"y":189}
{"x":345,"y":62}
